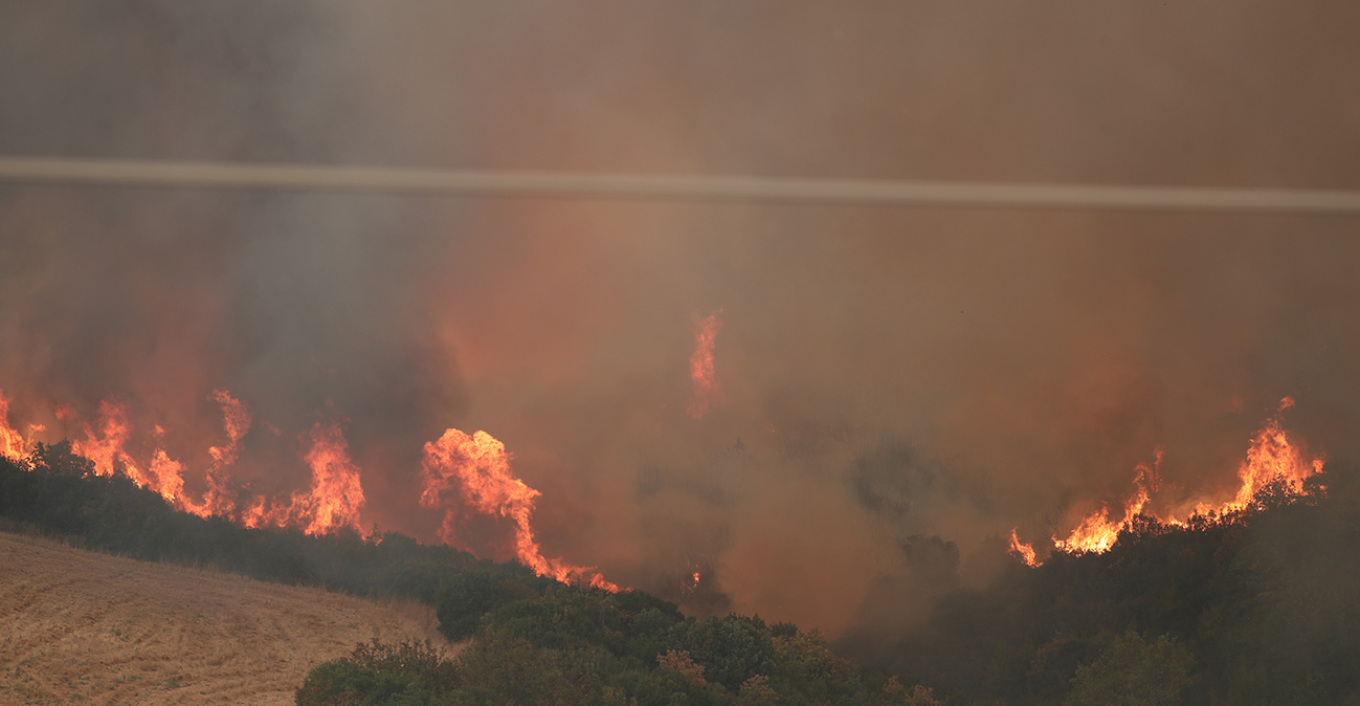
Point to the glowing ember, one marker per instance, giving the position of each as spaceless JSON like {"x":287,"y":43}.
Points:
{"x":706,"y":391}
{"x":478,"y":468}
{"x":1024,"y":551}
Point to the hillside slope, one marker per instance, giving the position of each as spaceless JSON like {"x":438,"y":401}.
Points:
{"x":86,"y":627}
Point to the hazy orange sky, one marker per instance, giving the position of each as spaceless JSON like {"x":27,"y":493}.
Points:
{"x":893,"y":379}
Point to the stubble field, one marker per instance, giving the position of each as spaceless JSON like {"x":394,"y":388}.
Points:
{"x":90,"y":628}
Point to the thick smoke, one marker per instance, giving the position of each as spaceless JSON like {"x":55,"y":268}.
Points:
{"x":900,"y":386}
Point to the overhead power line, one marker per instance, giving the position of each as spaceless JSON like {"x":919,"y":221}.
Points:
{"x":289,"y":177}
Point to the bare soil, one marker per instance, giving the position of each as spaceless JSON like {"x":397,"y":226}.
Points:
{"x":89,"y":628}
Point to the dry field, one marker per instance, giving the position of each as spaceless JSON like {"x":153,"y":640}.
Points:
{"x":89,"y":628}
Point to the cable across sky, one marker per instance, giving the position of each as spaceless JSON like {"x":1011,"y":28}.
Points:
{"x":450,"y":182}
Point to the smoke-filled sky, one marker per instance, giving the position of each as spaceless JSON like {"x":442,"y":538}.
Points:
{"x":899,"y":386}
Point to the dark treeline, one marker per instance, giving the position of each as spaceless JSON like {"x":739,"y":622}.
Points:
{"x":58,"y":493}
{"x":531,"y":640}
{"x":1259,"y":608}
{"x":570,"y":646}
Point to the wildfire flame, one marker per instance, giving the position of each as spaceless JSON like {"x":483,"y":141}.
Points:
{"x":1272,"y":456}
{"x":12,"y":443}
{"x":701,"y":371}
{"x":332,"y":502}
{"x":477,"y":467}
{"x":336,"y":494}
{"x":334,"y":499}
{"x":1097,"y":532}
{"x":236,"y":422}
{"x":1024,"y":551}
{"x":105,"y":448}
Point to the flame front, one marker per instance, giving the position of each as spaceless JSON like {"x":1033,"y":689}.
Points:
{"x":477,"y":467}
{"x":1272,"y":457}
{"x":701,"y":367}
{"x":236,"y":422}
{"x":1097,"y":532}
{"x":105,"y":448}
{"x":13,"y":446}
{"x":334,"y":500}
{"x":336,"y":495}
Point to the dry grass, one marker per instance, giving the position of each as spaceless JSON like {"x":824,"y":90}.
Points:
{"x":89,"y":628}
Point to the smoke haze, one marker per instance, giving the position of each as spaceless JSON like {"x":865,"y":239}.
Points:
{"x":900,"y":387}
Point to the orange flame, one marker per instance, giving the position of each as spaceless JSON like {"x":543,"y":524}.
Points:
{"x":335,"y":496}
{"x":1024,"y":551}
{"x":105,"y":449}
{"x":12,"y":443}
{"x":1097,"y":533}
{"x":478,"y":467}
{"x":701,"y":371}
{"x":236,"y":421}
{"x":167,"y":478}
{"x":332,"y":502}
{"x":1272,"y":456}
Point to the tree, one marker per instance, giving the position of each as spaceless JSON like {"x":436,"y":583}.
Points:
{"x":1133,"y":671}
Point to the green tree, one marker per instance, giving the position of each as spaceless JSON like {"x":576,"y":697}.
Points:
{"x":1133,"y":671}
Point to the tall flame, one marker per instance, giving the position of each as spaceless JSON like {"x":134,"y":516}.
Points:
{"x":1023,"y":550}
{"x":105,"y":448}
{"x":334,"y":500}
{"x":336,"y":495}
{"x":478,"y":468}
{"x":12,"y":443}
{"x":236,"y":420}
{"x":701,"y":368}
{"x":1273,"y":456}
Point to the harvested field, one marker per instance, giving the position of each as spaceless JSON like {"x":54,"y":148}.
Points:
{"x":83,"y":627}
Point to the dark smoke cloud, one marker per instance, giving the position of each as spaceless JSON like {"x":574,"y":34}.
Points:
{"x":901,"y":386}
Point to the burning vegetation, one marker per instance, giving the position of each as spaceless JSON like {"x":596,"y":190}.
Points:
{"x":456,"y":467}
{"x":478,"y":467}
{"x":1274,"y":459}
{"x":701,"y":366}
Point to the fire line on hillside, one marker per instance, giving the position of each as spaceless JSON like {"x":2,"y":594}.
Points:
{"x":477,"y":467}
{"x":1273,"y":456}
